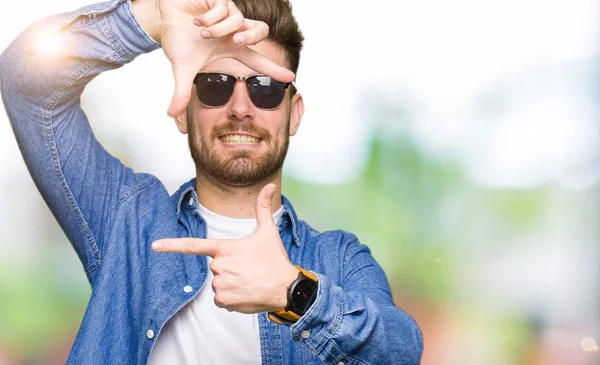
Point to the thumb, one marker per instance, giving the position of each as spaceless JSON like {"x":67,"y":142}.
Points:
{"x":184,"y":78}
{"x":261,"y":64}
{"x":264,"y":202}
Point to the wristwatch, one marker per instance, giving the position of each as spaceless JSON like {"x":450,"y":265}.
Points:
{"x":301,"y":294}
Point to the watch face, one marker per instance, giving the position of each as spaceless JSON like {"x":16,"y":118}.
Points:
{"x":303,"y":295}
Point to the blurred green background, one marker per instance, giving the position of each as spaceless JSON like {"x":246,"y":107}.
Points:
{"x":460,"y":144}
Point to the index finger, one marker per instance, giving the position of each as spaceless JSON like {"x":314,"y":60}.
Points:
{"x":193,"y":246}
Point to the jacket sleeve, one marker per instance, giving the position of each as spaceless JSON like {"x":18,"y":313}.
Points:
{"x":358,"y":322}
{"x":42,"y":76}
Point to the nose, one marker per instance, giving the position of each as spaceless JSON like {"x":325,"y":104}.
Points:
{"x":240,"y":105}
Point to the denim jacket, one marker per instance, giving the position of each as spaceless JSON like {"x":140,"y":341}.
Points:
{"x":111,"y":215}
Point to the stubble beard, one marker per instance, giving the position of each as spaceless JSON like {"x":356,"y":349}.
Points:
{"x":241,"y":168}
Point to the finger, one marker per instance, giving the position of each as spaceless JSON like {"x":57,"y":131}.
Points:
{"x":195,"y":246}
{"x":219,"y":301}
{"x":231,"y":24}
{"x":224,"y":300}
{"x":216,"y":268}
{"x":252,"y":32}
{"x":217,"y":12}
{"x":264,"y":202}
{"x":261,"y":64}
{"x":215,"y":284}
{"x":184,"y":78}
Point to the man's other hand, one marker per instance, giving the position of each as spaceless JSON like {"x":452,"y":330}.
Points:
{"x":252,"y":273}
{"x":194,"y":33}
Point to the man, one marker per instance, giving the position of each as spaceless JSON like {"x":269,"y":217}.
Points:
{"x":222,"y":272}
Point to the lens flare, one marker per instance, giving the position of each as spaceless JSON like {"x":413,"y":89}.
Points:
{"x":588,"y":344}
{"x":50,"y":44}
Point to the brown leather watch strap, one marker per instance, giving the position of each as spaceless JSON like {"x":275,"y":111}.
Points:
{"x":280,"y":316}
{"x":308,"y":274}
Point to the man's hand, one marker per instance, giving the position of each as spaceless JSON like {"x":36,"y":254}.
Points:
{"x":196,"y":32}
{"x":251,"y":274}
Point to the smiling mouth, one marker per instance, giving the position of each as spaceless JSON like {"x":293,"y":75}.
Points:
{"x":239,"y":139}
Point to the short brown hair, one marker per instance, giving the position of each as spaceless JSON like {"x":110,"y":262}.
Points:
{"x":283,"y":27}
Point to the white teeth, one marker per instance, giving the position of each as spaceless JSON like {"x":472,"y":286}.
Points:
{"x":239,"y":139}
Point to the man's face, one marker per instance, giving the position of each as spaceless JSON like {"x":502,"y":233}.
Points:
{"x":239,"y":144}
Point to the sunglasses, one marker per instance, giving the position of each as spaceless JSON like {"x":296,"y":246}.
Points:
{"x":215,"y":89}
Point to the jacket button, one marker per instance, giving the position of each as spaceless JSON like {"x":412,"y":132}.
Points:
{"x":150,"y":334}
{"x":191,"y":203}
{"x":305,"y":334}
{"x":187,"y":289}
{"x":340,"y":363}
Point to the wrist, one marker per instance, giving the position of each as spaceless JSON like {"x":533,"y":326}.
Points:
{"x":301,"y":294}
{"x":147,"y":14}
{"x":281,"y":296}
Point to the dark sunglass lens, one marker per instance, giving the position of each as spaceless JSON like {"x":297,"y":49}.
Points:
{"x":265,"y":92}
{"x":214,"y":89}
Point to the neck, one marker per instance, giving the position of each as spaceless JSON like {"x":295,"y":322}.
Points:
{"x":235,"y":201}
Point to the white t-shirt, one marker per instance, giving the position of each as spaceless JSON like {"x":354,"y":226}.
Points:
{"x":202,"y":333}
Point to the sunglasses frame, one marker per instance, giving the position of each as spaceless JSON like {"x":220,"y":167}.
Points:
{"x":246,"y":80}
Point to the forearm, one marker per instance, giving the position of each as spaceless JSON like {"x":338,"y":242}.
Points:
{"x":357,"y":322}
{"x":359,"y":327}
{"x":64,"y":52}
{"x":147,"y":14}
{"x":41,"y":90}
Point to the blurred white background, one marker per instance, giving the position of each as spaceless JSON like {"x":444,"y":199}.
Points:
{"x":506,"y":89}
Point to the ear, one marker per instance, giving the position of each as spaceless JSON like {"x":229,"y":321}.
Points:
{"x":296,"y":113}
{"x":181,"y":122}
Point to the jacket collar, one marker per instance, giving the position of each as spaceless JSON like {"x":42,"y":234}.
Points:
{"x":186,"y":199}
